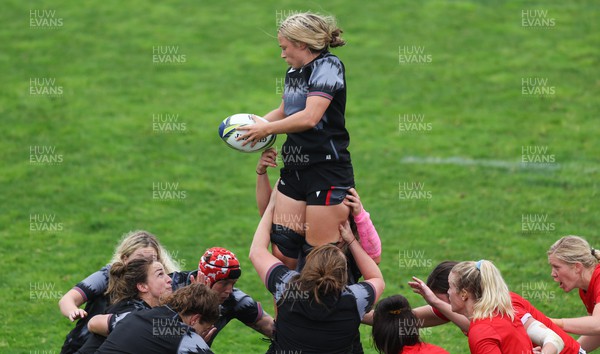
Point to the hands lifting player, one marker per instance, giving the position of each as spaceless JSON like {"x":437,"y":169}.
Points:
{"x":322,"y":286}
{"x":362,"y":226}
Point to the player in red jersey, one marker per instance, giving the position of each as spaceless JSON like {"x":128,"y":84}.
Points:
{"x":396,"y":329}
{"x":575,"y":266}
{"x":478,"y":292}
{"x":540,"y":328}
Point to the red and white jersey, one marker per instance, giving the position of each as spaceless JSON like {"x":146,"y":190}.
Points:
{"x":498,"y":335}
{"x":592,"y":296}
{"x":524,"y":309}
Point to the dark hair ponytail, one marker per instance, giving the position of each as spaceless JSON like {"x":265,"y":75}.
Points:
{"x":124,"y":278}
{"x":394,"y":325}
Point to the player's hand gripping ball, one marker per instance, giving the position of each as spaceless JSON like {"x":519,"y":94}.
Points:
{"x":229,"y":133}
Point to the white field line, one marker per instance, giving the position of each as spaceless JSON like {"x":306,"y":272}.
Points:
{"x":511,"y":165}
{"x":465,"y":161}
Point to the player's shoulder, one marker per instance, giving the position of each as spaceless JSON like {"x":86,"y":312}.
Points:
{"x":96,"y":283}
{"x":481,"y":325}
{"x":102,"y":272}
{"x":328,"y":59}
{"x":280,"y":273}
{"x":239,"y":300}
{"x":238,"y":294}
{"x":191,"y":342}
{"x":488,"y":327}
{"x":596,"y":280}
{"x":517,"y":299}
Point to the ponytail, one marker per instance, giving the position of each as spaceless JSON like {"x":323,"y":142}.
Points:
{"x":484,"y":282}
{"x":394,"y":325}
{"x":324,"y":274}
{"x":124,"y":278}
{"x":325,"y":285}
{"x":336,"y":38}
{"x":316,"y":31}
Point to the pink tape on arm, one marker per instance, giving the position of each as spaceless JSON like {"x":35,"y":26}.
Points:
{"x":369,"y":239}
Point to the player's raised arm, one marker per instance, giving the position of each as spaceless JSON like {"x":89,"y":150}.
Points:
{"x":261,"y":258}
{"x":268,"y":158}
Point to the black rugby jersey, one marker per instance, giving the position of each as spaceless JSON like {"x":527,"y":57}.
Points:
{"x":92,"y":290}
{"x":159,"y":330}
{"x":328,"y":141}
{"x":117,"y":312}
{"x":305,"y":326}
{"x":238,"y":305}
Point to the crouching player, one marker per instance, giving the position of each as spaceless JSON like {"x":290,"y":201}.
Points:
{"x":220,"y":269}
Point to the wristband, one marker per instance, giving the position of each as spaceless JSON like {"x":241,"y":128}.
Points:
{"x":260,"y":174}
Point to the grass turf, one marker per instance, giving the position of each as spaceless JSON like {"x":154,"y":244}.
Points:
{"x":477,"y":60}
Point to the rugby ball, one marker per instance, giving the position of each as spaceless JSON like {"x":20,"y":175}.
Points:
{"x":229,"y":133}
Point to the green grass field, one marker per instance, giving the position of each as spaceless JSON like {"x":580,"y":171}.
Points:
{"x":474,"y":130}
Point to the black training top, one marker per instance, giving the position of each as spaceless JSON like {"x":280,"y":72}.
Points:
{"x":159,"y":330}
{"x":117,"y":312}
{"x":238,"y":305}
{"x":328,"y":141}
{"x":309,"y":327}
{"x":92,"y":290}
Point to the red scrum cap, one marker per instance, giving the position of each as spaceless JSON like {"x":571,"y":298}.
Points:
{"x":218,"y":263}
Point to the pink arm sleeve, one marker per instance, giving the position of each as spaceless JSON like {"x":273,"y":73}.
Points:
{"x":369,"y":239}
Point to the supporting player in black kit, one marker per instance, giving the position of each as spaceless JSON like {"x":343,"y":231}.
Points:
{"x":222,"y":269}
{"x":169,"y":329}
{"x":90,"y":291}
{"x":317,"y":311}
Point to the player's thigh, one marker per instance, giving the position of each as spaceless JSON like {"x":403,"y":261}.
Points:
{"x":290,"y":213}
{"x":323,"y":221}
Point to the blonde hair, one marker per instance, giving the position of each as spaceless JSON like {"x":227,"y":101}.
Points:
{"x":134,"y":240}
{"x":325,"y":273}
{"x":483,"y":280}
{"x":574,"y":249}
{"x":316,"y":31}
